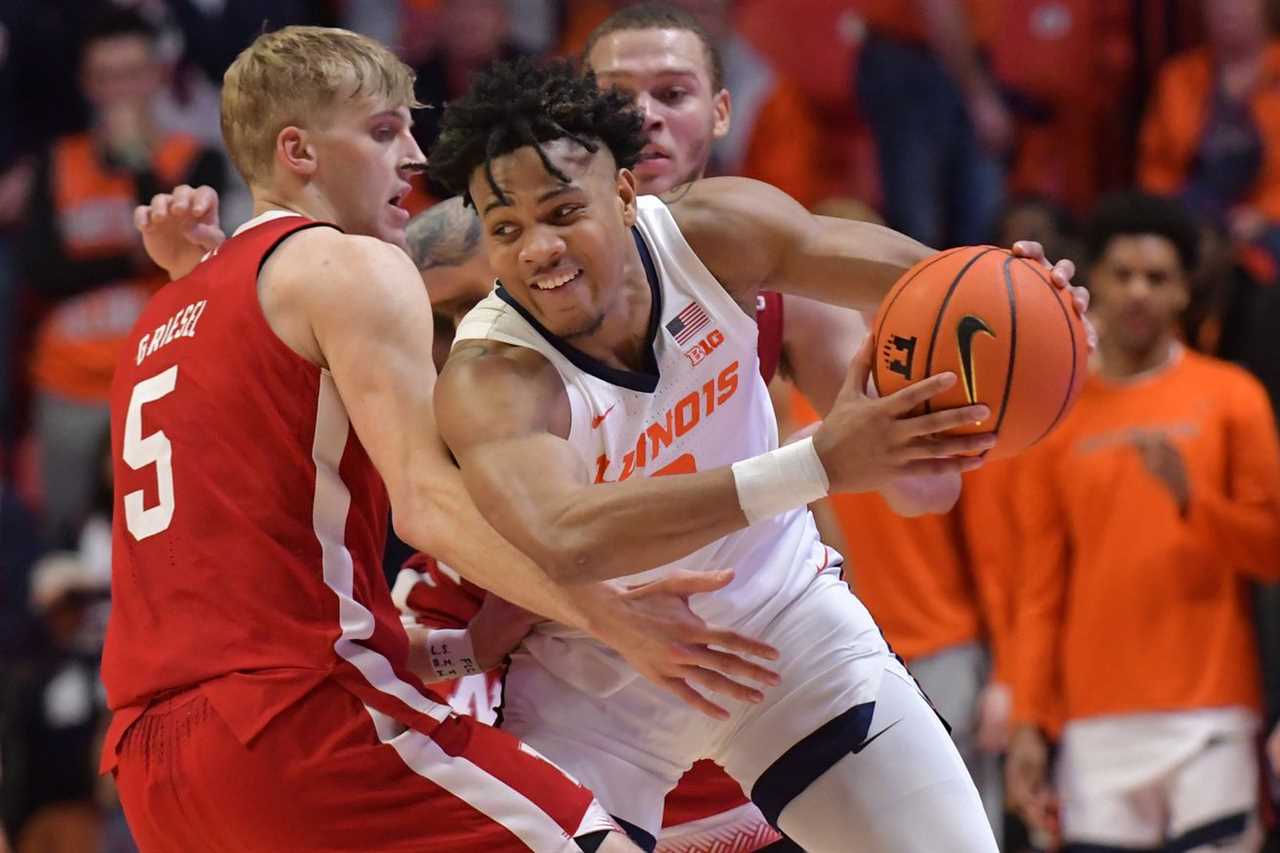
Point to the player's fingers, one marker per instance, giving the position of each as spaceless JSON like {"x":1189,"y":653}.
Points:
{"x":904,"y":400}
{"x":940,"y":467}
{"x":936,"y":422}
{"x":859,"y":369}
{"x":1031,"y":250}
{"x":723,"y":638}
{"x":1063,"y":272}
{"x":947,"y":446}
{"x":728,"y":664}
{"x":686,"y":582}
{"x":693,"y":698}
{"x":160,"y":207}
{"x":203,"y":200}
{"x":717,"y":683}
{"x":142,"y":217}
{"x":181,"y":198}
{"x":206,"y":236}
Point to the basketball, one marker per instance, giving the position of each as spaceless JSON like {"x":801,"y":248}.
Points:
{"x":1011,"y":337}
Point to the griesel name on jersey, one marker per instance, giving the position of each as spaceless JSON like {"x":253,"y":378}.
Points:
{"x":181,"y":325}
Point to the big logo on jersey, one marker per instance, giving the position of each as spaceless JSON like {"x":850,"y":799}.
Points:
{"x":676,"y":422}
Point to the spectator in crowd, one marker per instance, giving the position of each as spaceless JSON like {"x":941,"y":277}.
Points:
{"x":82,"y":255}
{"x":1140,"y":521}
{"x":50,"y":711}
{"x":937,"y":118}
{"x":1211,"y":134}
{"x":472,"y":34}
{"x":774,"y":136}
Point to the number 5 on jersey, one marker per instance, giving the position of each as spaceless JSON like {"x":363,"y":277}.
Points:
{"x":155,"y":450}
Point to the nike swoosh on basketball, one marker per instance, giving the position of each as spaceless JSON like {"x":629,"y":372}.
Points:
{"x":969,"y":326}
{"x":596,"y":420}
{"x":866,"y":743}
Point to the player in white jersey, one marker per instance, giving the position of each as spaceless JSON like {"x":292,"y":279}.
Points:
{"x":620,"y":346}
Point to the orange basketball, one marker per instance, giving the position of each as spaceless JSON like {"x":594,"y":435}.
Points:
{"x":997,"y":322}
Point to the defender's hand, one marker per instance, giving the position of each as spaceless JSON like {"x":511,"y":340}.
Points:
{"x":654,"y":629}
{"x":178,"y":228}
{"x":1061,"y":274}
{"x":497,"y":628}
{"x":866,"y":443}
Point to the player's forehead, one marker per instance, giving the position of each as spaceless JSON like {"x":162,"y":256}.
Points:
{"x":524,"y":178}
{"x":363,"y":108}
{"x":647,"y":55}
{"x":1153,"y":252}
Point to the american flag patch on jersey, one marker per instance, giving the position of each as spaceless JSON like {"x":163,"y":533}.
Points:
{"x":686,"y":324}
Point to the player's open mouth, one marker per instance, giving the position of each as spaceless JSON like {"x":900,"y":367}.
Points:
{"x":552,"y":282}
{"x":396,"y":201}
{"x":649,"y":155}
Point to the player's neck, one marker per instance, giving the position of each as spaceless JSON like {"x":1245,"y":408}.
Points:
{"x":272,"y":198}
{"x":1116,"y":362}
{"x":622,"y":338}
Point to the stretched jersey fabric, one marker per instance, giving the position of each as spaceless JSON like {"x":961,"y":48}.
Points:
{"x":249,"y":523}
{"x":1124,"y":605}
{"x":699,"y":403}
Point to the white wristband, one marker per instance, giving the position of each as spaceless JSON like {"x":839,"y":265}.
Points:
{"x":451,"y":653}
{"x":781,"y":480}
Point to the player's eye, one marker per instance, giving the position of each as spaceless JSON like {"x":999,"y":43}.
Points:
{"x":384,"y":133}
{"x":672,"y":96}
{"x":565,"y":211}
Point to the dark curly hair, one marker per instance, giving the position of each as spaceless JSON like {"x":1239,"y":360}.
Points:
{"x":1133,"y":213}
{"x":526,"y":102}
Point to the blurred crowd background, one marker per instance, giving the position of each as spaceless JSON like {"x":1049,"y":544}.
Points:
{"x":958,"y":123}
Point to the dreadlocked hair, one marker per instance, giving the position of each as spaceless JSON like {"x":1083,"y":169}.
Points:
{"x":525,"y":102}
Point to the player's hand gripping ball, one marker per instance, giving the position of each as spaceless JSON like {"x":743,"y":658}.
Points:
{"x":999,"y":324}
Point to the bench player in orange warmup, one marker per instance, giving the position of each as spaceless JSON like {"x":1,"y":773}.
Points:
{"x":1140,"y":522}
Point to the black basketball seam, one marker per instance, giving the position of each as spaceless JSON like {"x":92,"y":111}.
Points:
{"x":1071,"y":380}
{"x":937,"y":322}
{"x":1013,"y":343}
{"x":884,"y":313}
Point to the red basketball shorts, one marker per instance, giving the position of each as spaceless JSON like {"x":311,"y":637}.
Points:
{"x":319,"y":777}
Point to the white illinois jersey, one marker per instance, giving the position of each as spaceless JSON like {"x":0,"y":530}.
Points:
{"x":700,"y":404}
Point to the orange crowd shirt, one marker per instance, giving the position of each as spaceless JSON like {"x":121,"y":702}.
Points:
{"x":1174,"y":123}
{"x":1123,"y":604}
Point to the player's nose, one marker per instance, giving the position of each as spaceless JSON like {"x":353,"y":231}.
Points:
{"x":541,"y":248}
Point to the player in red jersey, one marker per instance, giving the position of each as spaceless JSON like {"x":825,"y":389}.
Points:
{"x":648,"y":57}
{"x":271,"y":406}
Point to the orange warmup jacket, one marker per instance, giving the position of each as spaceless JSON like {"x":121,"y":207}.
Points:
{"x":1175,"y":120}
{"x":934,"y":581}
{"x":1124,"y":605}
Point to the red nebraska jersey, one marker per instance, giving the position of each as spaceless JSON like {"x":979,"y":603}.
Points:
{"x":249,"y":523}
{"x":769,"y":341}
{"x":432,"y":595}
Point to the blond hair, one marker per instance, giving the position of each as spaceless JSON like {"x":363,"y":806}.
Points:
{"x":291,"y":77}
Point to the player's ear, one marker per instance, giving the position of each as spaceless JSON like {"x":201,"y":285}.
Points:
{"x":627,"y":196}
{"x":722,"y":106}
{"x":295,"y":151}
